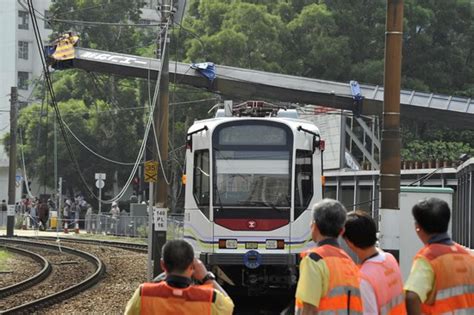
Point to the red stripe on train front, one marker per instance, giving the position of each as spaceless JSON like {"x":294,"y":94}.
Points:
{"x":252,"y":224}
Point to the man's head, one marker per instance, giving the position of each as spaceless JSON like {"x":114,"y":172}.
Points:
{"x":432,"y":216}
{"x":177,"y":257}
{"x":360,"y":230}
{"x":329,"y":217}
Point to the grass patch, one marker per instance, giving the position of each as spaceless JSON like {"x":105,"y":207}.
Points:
{"x":4,"y":256}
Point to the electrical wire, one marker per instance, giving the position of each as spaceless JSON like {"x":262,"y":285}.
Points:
{"x":39,"y":41}
{"x":155,"y":97}
{"x":38,"y":38}
{"x":102,"y":5}
{"x":147,"y":129}
{"x":25,"y":176}
{"x":60,"y":120}
{"x":83,"y":23}
{"x":115,"y":111}
{"x":92,"y":151}
{"x":159,"y":153}
{"x":51,"y":91}
{"x":193,"y":34}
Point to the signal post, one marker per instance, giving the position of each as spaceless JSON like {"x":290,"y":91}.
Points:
{"x":157,"y":223}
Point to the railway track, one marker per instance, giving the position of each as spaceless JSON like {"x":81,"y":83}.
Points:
{"x":64,"y":294}
{"x":244,"y":305}
{"x":141,"y":248}
{"x":31,"y":281}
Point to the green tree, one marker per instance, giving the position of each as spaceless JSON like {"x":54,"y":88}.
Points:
{"x":106,"y":37}
{"x":89,"y":125}
{"x":437,"y":47}
{"x":236,"y":33}
{"x":321,"y":52}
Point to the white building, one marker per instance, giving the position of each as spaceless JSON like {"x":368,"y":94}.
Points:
{"x":20,"y":65}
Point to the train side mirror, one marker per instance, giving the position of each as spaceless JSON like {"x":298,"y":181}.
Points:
{"x":316,"y":142}
{"x":189,"y":142}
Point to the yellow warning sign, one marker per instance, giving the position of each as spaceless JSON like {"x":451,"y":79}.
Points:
{"x":151,"y":171}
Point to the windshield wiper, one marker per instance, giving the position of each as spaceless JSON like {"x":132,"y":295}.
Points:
{"x":218,"y":197}
{"x":265,"y":203}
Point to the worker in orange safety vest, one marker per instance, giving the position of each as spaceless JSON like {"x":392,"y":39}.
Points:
{"x":329,"y":279}
{"x":381,"y":280}
{"x":441,"y":280}
{"x":176,"y":294}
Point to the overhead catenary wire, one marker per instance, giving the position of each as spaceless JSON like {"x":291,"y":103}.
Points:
{"x":96,"y":23}
{"x":25,"y":176}
{"x":49,"y":84}
{"x":92,"y":151}
{"x":79,"y":22}
{"x":147,"y":130}
{"x":58,"y":114}
{"x":115,"y":111}
{"x":72,"y":10}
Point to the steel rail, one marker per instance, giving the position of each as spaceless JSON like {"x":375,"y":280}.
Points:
{"x":31,"y":281}
{"x":123,"y":245}
{"x":62,"y":295}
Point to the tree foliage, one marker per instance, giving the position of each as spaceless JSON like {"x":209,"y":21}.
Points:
{"x":326,"y":39}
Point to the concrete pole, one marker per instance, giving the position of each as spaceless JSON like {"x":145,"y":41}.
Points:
{"x":390,"y":144}
{"x":390,"y":151}
{"x":12,"y":161}
{"x":162,"y":111}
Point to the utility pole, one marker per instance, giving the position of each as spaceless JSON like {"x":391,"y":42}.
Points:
{"x":162,"y":112}
{"x":390,"y":145}
{"x":161,"y":132}
{"x":12,"y":162}
{"x":56,"y":197}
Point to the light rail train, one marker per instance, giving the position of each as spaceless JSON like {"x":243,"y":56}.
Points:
{"x":253,"y":174}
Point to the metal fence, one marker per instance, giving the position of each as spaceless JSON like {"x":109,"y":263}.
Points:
{"x":122,"y":225}
{"x":462,"y":218}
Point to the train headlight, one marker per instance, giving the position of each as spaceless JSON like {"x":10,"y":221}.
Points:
{"x":228,"y":244}
{"x":275,"y":244}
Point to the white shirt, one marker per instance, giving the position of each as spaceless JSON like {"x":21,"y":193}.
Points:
{"x":369,"y":300}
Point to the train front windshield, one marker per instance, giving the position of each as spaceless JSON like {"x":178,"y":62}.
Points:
{"x":252,"y":165}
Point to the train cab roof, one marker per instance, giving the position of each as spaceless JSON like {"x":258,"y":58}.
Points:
{"x":293,"y":123}
{"x":255,"y":111}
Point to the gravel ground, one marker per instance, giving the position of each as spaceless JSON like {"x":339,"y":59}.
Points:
{"x":17,"y":268}
{"x":67,"y":269}
{"x":125,"y":271}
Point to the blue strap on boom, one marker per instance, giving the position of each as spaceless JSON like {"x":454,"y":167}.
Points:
{"x":357,"y":97}
{"x":206,"y":69}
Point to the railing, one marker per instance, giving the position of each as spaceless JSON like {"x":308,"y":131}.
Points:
{"x":122,"y":225}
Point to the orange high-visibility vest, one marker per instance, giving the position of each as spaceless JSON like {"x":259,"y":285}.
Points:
{"x":386,"y":280}
{"x":453,"y":291}
{"x":160,"y":298}
{"x":344,"y":283}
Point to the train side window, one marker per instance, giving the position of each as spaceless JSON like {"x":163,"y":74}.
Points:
{"x":201,"y":180}
{"x":303,"y":180}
